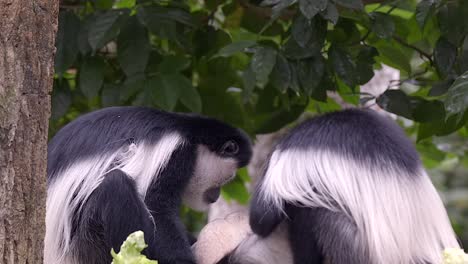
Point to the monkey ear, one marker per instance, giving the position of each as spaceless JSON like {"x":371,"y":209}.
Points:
{"x":220,"y":237}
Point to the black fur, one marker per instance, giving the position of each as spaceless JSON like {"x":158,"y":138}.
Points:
{"x":115,"y":210}
{"x":360,"y":134}
{"x":316,"y":234}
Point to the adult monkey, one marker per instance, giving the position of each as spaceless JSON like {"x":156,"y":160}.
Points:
{"x":352,"y":189}
{"x":122,"y":169}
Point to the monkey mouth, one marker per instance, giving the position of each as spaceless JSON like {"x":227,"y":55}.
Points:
{"x":212,"y":195}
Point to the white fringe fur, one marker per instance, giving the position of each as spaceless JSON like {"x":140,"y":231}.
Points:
{"x":400,"y":217}
{"x":141,"y":161}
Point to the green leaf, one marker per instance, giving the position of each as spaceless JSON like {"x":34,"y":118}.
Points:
{"x":83,"y":43}
{"x":189,"y":95}
{"x":353,"y":4}
{"x":66,"y":41}
{"x":281,"y":75}
{"x":392,"y":55}
{"x":236,"y":190}
{"x":451,"y":18}
{"x":427,"y":111}
{"x":343,"y":65}
{"x":262,"y":63}
{"x":248,"y":81}
{"x":280,"y":7}
{"x":163,"y":91}
{"x":174,"y":64}
{"x":208,"y":41}
{"x":456,"y":102}
{"x":269,"y":2}
{"x":331,"y":13}
{"x":302,"y":30}
{"x":463,"y":58}
{"x":133,"y":47}
{"x":310,"y":8}
{"x":311,"y":41}
{"x":423,"y":11}
{"x":294,"y":85}
{"x":124,"y":3}
{"x":103,"y":29}
{"x":103,"y":4}
{"x":61,"y":99}
{"x":441,"y":127}
{"x":365,"y":64}
{"x":154,"y":15}
{"x":110,"y":95}
{"x":235,"y":47}
{"x":132,"y":86}
{"x":440,"y":88}
{"x":397,"y":102}
{"x":277,"y":119}
{"x":310,"y":73}
{"x":382,"y":25}
{"x":91,"y":76}
{"x":445,"y":54}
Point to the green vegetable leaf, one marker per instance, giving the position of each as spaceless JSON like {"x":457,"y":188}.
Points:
{"x":262,"y":63}
{"x":456,"y":102}
{"x":92,"y":76}
{"x":445,"y":54}
{"x":133,"y":47}
{"x":130,"y":251}
{"x":66,"y":41}
{"x":310,"y":8}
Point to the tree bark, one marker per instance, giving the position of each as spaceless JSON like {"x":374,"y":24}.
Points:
{"x":27,"y":37}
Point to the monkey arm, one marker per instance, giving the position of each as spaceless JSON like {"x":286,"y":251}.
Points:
{"x":120,"y":211}
{"x":263,"y":218}
{"x":163,"y":200}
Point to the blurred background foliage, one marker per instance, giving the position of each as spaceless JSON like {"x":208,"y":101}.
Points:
{"x":260,"y":65}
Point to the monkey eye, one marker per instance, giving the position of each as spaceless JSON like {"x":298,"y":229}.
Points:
{"x":230,"y":148}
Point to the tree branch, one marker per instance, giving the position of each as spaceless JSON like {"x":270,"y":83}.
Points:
{"x":420,"y":51}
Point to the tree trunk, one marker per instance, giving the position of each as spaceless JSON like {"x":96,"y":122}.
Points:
{"x":27,"y":37}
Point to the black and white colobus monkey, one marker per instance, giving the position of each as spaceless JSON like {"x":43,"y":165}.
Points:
{"x":122,"y":169}
{"x":352,"y":189}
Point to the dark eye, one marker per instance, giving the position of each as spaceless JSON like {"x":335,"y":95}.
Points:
{"x":230,"y":148}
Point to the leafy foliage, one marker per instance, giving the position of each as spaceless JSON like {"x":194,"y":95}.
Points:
{"x":260,"y":66}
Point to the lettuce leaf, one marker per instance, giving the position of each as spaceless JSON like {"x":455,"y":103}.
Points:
{"x":130,"y":251}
